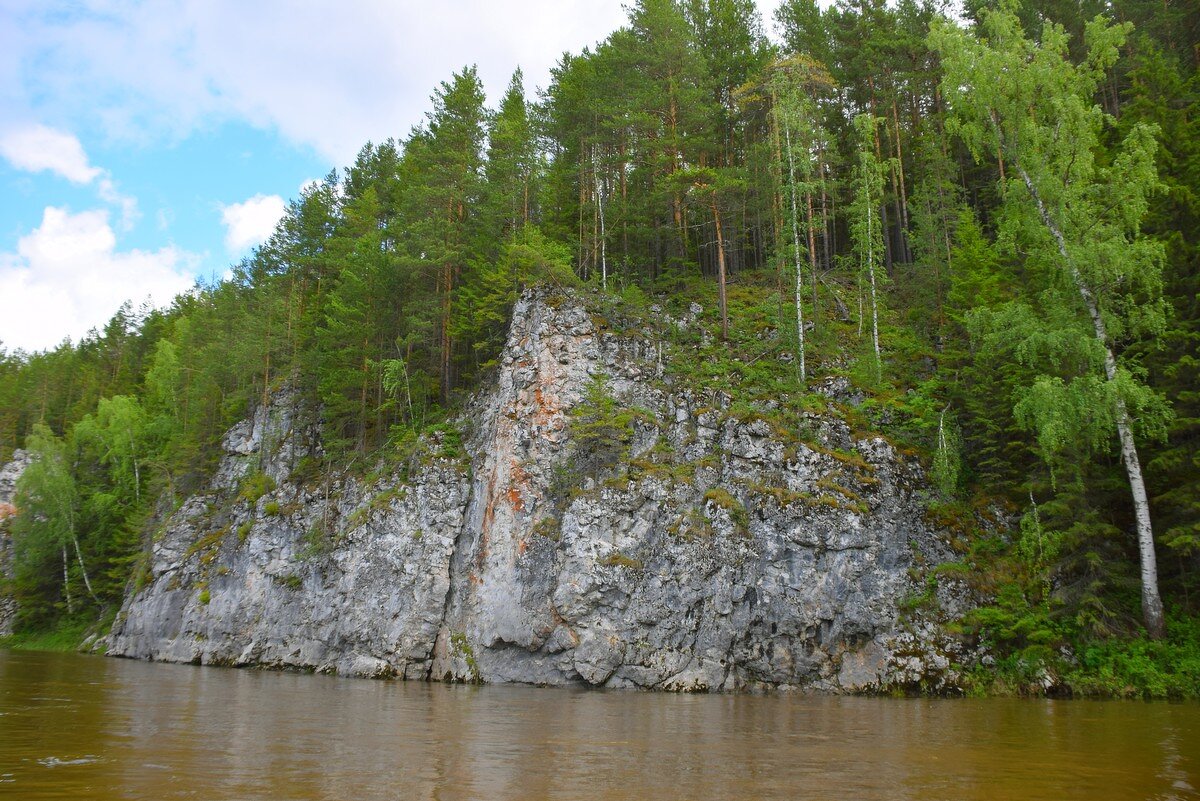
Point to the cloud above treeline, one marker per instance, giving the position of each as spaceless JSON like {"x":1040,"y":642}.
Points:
{"x":326,"y":75}
{"x":67,"y":276}
{"x":251,"y":222}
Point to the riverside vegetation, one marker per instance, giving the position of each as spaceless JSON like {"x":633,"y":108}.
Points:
{"x":982,"y":232}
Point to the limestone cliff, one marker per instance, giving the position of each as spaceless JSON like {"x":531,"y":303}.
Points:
{"x":699,"y":549}
{"x":10,"y":472}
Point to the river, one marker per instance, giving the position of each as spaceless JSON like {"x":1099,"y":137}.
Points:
{"x":88,"y":727}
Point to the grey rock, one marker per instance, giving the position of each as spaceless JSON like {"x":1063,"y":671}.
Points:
{"x":10,"y":473}
{"x":776,"y":565}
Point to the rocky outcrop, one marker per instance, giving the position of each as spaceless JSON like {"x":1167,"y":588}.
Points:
{"x":606,"y":525}
{"x":10,"y":472}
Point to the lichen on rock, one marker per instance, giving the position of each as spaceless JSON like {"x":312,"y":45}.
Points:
{"x":10,"y":473}
{"x":708,"y":552}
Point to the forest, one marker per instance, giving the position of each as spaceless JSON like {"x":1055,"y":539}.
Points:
{"x":986,"y":218}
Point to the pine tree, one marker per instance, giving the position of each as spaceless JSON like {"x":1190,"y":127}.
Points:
{"x":445,"y":163}
{"x":509,"y":191}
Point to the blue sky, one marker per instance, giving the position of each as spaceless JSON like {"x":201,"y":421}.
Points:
{"x":146,"y":144}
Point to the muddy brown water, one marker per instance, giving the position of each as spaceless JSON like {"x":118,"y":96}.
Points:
{"x":87,"y":727}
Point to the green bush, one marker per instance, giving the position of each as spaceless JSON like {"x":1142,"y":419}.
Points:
{"x":254,"y":486}
{"x":737,"y":512}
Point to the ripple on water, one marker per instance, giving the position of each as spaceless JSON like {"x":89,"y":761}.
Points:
{"x":55,"y":762}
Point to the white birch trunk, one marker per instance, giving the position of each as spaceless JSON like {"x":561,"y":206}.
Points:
{"x":87,"y":582}
{"x":796,"y":245}
{"x":67,"y":581}
{"x":1152,"y":607}
{"x":874,"y":299}
{"x":603,"y":237}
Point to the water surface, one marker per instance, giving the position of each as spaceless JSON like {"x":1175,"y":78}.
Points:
{"x":84,"y":727}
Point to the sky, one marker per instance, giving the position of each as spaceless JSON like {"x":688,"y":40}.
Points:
{"x":145,"y":145}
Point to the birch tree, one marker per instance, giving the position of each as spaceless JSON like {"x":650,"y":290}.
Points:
{"x":1075,"y":213}
{"x":866,"y":229}
{"x":45,"y":528}
{"x":796,"y":119}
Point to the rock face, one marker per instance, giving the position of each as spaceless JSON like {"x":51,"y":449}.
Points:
{"x":697,"y":550}
{"x":10,"y":472}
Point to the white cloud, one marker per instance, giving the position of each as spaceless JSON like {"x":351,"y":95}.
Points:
{"x":39,"y":148}
{"x":326,"y":75}
{"x":110,"y":194}
{"x":35,"y":148}
{"x":251,"y":222}
{"x":67,"y":277}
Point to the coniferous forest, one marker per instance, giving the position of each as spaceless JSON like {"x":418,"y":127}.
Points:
{"x":987,"y":221}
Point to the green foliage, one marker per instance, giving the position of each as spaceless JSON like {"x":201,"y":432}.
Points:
{"x":528,"y":258}
{"x":319,"y":540}
{"x":946,"y":470}
{"x":1141,"y":667}
{"x":737,"y":511}
{"x":866,"y":231}
{"x":1074,"y":210}
{"x":618,"y":559}
{"x":867,"y":149}
{"x":548,"y":527}
{"x":462,"y":649}
{"x":1118,"y":667}
{"x":291,"y":581}
{"x":65,"y":635}
{"x":601,"y":432}
{"x":45,"y":532}
{"x":255,"y":485}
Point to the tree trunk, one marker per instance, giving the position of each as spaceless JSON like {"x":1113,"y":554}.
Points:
{"x":1152,"y":607}
{"x":448,"y":286}
{"x":263,"y":449}
{"x":796,"y":246}
{"x":812,"y":254}
{"x":67,"y":581}
{"x":137,"y":472}
{"x":874,"y":297}
{"x":905,"y":249}
{"x":721,"y":270}
{"x":87,"y":582}
{"x":603,"y":235}
{"x":362,"y":397}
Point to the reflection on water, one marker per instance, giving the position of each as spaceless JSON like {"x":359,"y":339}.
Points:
{"x":87,"y":727}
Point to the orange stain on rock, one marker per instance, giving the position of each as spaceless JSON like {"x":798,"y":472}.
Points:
{"x":489,"y":511}
{"x":547,"y":409}
{"x":519,"y":480}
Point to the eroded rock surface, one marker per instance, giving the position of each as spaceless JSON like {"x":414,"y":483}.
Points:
{"x":10,"y":472}
{"x":713,"y":553}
